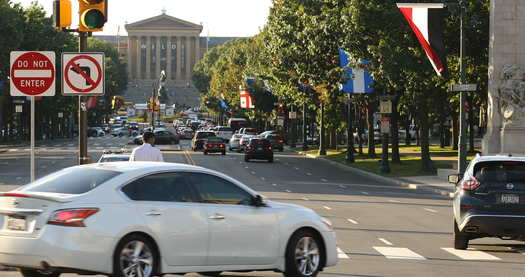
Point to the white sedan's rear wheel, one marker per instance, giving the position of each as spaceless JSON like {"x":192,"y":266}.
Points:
{"x":303,"y":255}
{"x":135,"y":256}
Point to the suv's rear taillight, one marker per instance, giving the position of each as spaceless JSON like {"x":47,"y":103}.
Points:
{"x":71,"y":217}
{"x":470,"y":184}
{"x":249,"y":148}
{"x":280,"y":141}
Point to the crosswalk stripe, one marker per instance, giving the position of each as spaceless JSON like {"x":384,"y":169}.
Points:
{"x":471,"y":254}
{"x":399,"y":253}
{"x":341,"y":254}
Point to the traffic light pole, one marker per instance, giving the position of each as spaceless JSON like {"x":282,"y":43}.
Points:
{"x":462,"y":153}
{"x":82,"y":111}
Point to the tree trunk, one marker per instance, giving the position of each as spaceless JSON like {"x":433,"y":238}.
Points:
{"x":455,"y":134}
{"x":395,"y":134}
{"x":370,"y":121}
{"x":408,"y":138}
{"x":322,"y":135}
{"x":426,"y":162}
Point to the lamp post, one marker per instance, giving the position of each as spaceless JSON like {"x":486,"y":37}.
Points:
{"x":350,"y":135}
{"x":155,"y":95}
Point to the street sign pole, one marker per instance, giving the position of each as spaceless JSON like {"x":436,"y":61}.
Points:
{"x":33,"y":168}
{"x":462,"y":153}
{"x":82,"y":111}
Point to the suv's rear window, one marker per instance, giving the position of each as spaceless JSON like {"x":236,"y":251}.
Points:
{"x":500,"y":172}
{"x":205,"y":134}
{"x":76,"y":180}
{"x":225,"y":129}
{"x":259,"y":142}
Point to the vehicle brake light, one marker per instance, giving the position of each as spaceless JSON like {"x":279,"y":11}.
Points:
{"x":209,"y":145}
{"x":470,"y":184}
{"x":280,"y":141}
{"x":249,"y":148}
{"x":221,"y":146}
{"x":269,"y":148}
{"x":71,"y":217}
{"x":11,"y":194}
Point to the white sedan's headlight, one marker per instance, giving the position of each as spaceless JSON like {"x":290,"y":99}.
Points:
{"x":327,"y":222}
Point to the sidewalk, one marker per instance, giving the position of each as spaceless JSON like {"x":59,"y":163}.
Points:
{"x":434,"y":184}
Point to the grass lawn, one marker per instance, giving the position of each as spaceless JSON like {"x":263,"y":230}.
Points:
{"x":410,"y":160}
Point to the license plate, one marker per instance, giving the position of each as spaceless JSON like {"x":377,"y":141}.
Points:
{"x":259,"y":148}
{"x":510,"y":199}
{"x":17,"y":223}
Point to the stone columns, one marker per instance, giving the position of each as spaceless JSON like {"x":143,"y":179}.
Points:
{"x":157,"y":68}
{"x":188,"y":59}
{"x":129,"y":58}
{"x":197,"y":50}
{"x":139,"y":58}
{"x":179,"y":59}
{"x":168,"y":57}
{"x":148,"y":58}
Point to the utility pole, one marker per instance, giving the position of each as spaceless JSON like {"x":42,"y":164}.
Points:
{"x":83,"y":158}
{"x":462,"y":153}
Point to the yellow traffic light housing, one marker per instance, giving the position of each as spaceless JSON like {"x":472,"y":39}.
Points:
{"x":61,"y":14}
{"x":93,"y":15}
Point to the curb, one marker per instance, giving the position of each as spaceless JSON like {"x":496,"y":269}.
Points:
{"x":382,"y":179}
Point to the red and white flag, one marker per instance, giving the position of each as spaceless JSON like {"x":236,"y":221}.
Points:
{"x":246,"y":100}
{"x":427,"y":21}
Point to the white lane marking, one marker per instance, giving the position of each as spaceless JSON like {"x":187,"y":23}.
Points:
{"x":326,"y":207}
{"x":240,"y":162}
{"x":97,"y":144}
{"x":430,"y":210}
{"x":19,"y":178}
{"x":341,"y":186}
{"x":246,"y":167}
{"x":262,"y":178}
{"x":253,"y":172}
{"x":352,"y":221}
{"x":43,"y":167}
{"x":385,"y":241}
{"x":288,"y":190}
{"x":324,"y":180}
{"x":399,"y":253}
{"x":71,"y":144}
{"x":309,"y":174}
{"x":277,"y":159}
{"x":305,"y":199}
{"x":394,"y":201}
{"x":53,"y":162}
{"x":365,"y":193}
{"x":274,"y":185}
{"x":341,"y":254}
{"x":296,"y":168}
{"x":471,"y":254}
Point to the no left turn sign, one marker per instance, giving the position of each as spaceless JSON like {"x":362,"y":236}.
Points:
{"x":83,"y":74}
{"x":32,"y":73}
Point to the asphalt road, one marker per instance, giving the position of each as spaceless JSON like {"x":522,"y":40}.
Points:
{"x":382,"y":230}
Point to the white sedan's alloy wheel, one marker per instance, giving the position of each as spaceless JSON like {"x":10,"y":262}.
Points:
{"x":307,"y":256}
{"x":136,"y":260}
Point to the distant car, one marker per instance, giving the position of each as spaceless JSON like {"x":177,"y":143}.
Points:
{"x":214,"y":145}
{"x":489,"y":200}
{"x":198,"y":140}
{"x":119,"y":132}
{"x":243,"y":142}
{"x":114,"y":156}
{"x":185,"y":132}
{"x":95,"y":132}
{"x":234,"y":142}
{"x":276,"y":139}
{"x":224,"y":132}
{"x":248,"y":131}
{"x":259,"y":149}
{"x":162,"y":136}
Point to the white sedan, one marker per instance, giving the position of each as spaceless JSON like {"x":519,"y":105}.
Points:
{"x":147,"y":219}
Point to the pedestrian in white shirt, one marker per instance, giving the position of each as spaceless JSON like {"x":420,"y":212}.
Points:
{"x":146,"y":152}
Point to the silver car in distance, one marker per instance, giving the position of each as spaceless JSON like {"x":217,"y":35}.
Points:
{"x":147,"y":219}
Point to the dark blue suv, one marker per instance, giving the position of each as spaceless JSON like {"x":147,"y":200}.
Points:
{"x":489,"y":200}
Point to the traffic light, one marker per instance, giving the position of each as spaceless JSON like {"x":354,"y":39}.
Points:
{"x":113,"y":102}
{"x":93,"y":15}
{"x":281,"y":108}
{"x":61,"y":14}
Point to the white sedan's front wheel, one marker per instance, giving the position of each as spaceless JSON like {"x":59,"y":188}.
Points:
{"x":303,"y":255}
{"x":135,"y":256}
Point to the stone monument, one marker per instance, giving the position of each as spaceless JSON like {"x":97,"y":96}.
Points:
{"x":506,"y":99}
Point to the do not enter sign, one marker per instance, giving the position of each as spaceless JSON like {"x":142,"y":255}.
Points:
{"x":32,"y":73}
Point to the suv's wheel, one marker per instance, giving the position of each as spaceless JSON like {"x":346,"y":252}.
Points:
{"x":460,"y":239}
{"x":246,"y":159}
{"x":135,"y":256}
{"x":37,"y":273}
{"x":303,"y":255}
{"x":223,"y":153}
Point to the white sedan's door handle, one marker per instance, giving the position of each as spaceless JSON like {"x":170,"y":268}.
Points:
{"x":153,"y":213}
{"x":217,"y":217}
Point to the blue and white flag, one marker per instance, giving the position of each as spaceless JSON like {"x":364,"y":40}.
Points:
{"x":360,"y":81}
{"x":223,"y":103}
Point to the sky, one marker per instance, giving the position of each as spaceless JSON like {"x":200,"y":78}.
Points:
{"x":220,"y":18}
